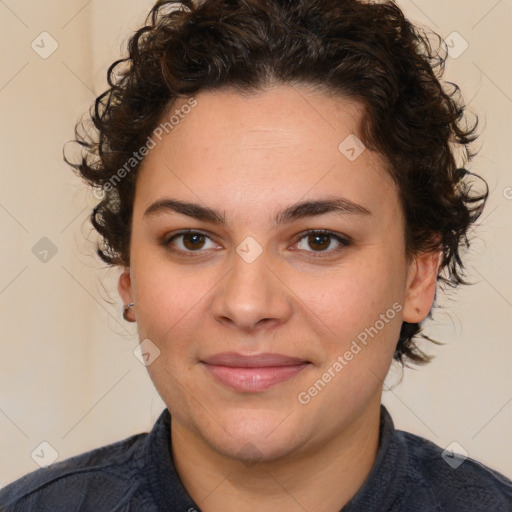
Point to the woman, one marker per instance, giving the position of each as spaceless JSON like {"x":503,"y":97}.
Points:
{"x":279,"y":185}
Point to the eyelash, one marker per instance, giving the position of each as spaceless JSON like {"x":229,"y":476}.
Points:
{"x":344,"y":242}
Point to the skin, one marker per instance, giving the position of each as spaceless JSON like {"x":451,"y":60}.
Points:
{"x":249,"y":157}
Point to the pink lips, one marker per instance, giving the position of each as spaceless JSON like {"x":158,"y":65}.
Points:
{"x":255,"y":372}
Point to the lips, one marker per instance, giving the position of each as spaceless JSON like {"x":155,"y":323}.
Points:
{"x":252,"y":361}
{"x":253,"y":373}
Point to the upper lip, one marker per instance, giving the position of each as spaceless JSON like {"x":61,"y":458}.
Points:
{"x":252,"y":361}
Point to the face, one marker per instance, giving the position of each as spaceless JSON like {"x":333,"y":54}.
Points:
{"x":275,"y":315}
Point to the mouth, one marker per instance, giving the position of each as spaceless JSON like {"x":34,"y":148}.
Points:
{"x":253,"y":373}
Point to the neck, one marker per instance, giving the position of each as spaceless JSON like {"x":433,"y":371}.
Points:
{"x":323,"y":478}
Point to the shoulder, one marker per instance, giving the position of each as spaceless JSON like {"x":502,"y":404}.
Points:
{"x":112,"y":471}
{"x":453,"y":481}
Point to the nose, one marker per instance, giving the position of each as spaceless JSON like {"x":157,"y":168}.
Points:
{"x":252,"y":295}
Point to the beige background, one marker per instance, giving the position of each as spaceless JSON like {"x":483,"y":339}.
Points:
{"x":68,"y":374}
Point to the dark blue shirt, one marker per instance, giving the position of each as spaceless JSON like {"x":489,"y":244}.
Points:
{"x":138,"y":474}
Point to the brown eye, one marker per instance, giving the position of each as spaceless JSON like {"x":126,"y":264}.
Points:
{"x":191,"y":241}
{"x":320,"y":241}
{"x":316,"y":242}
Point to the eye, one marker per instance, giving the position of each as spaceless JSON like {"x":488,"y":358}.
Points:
{"x":321,"y":239}
{"x":192,"y":241}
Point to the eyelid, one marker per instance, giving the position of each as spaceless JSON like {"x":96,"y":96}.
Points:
{"x":343,"y":240}
{"x":166,"y":241}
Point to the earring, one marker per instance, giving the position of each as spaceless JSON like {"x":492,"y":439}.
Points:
{"x":125,"y":311}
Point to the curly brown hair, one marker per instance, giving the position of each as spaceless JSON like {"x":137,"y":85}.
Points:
{"x":365,"y":51}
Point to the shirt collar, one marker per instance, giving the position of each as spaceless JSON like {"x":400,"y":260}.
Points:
{"x":384,"y":485}
{"x":165,"y":484}
{"x":380,"y":490}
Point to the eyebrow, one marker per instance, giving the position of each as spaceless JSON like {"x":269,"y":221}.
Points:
{"x":293,"y":212}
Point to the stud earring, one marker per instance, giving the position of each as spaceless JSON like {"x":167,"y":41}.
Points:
{"x":125,"y":311}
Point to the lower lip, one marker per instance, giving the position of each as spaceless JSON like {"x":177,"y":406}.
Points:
{"x":253,"y":379}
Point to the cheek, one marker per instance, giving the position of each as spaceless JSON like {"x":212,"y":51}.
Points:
{"x":357,"y":319}
{"x":171,"y":302}
{"x":351,"y":297}
{"x":170,"y":299}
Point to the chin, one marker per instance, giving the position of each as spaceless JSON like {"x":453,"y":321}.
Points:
{"x":253,"y":450}
{"x":253,"y":436}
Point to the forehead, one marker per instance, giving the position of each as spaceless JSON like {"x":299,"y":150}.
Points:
{"x":277,"y":117}
{"x":278,"y":146}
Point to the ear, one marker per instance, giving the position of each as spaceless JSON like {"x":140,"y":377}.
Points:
{"x":125,"y":291}
{"x":124,"y":286}
{"x":421,"y":286}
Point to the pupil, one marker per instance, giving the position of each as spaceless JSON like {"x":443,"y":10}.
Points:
{"x":195,"y":239}
{"x":316,"y":237}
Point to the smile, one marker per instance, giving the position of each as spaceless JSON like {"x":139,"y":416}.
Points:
{"x":254,"y":379}
{"x":253,"y":373}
